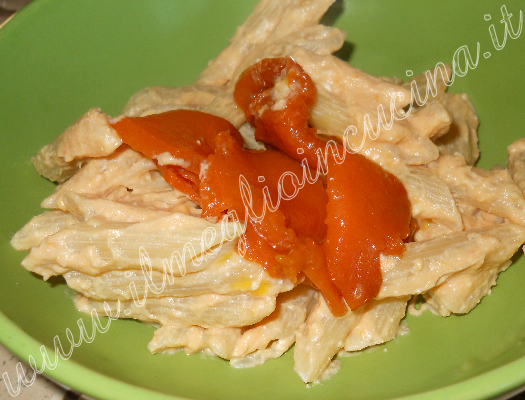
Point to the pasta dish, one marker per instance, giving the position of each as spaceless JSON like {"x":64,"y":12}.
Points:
{"x":285,"y":198}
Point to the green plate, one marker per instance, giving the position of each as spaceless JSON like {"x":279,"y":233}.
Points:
{"x":58,"y":58}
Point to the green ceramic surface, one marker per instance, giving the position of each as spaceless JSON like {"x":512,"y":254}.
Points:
{"x":58,"y":58}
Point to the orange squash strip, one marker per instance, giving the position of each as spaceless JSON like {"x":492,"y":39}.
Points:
{"x":368,"y":209}
{"x":368,"y":214}
{"x":284,"y":125}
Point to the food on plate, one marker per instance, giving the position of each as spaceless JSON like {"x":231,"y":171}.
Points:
{"x":283,"y":198}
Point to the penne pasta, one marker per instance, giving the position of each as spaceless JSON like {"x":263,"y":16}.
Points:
{"x":90,"y":136}
{"x":269,"y":22}
{"x":462,"y":137}
{"x":364,"y":98}
{"x":97,"y":246}
{"x":428,"y":264}
{"x":319,"y":339}
{"x":516,"y":163}
{"x":433,"y":206}
{"x":292,"y":309}
{"x":224,"y":106}
{"x":208,"y":310}
{"x":100,"y":176}
{"x":221,"y":341}
{"x":430,"y":121}
{"x":418,"y":150}
{"x":474,"y":217}
{"x":157,"y":99}
{"x":170,"y":339}
{"x":274,"y":350}
{"x":460,"y":293}
{"x":378,"y":324}
{"x":432,"y":83}
{"x":492,"y":191}
{"x":40,"y":227}
{"x":224,"y":272}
